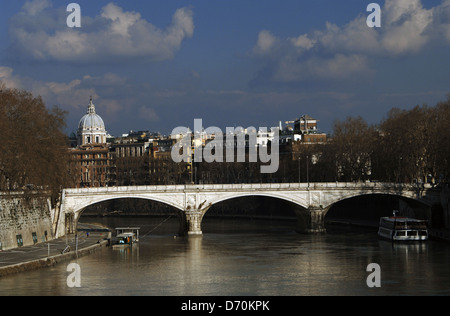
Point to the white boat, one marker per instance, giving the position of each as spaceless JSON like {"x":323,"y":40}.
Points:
{"x":126,"y":237}
{"x":399,"y":228}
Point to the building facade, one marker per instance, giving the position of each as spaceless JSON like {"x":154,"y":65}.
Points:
{"x":93,"y":163}
{"x":91,"y":156}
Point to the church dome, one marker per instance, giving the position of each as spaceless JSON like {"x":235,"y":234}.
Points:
{"x":91,"y":128}
{"x":91,"y":121}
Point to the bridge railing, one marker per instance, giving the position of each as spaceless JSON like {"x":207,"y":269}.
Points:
{"x":247,"y":186}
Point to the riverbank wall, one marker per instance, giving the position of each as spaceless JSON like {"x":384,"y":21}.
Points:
{"x":25,"y":219}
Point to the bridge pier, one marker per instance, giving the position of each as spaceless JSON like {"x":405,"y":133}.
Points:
{"x":316,"y":223}
{"x":193,"y":219}
{"x":310,"y":221}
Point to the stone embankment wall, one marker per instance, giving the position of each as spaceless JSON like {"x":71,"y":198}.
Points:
{"x":25,"y":219}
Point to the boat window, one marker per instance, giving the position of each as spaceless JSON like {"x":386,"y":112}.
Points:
{"x":422,"y":233}
{"x":412,"y":233}
{"x":401,"y":233}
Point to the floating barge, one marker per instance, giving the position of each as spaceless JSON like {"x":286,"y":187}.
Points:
{"x":399,"y":228}
{"x":126,"y":237}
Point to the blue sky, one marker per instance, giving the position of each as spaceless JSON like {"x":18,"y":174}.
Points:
{"x":156,"y":65}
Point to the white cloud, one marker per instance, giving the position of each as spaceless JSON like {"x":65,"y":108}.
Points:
{"x":346,"y":51}
{"x":121,"y":21}
{"x":354,"y":37}
{"x":303,"y":42}
{"x":34,"y":7}
{"x":407,"y":23}
{"x":71,"y":96}
{"x":441,"y":22}
{"x":114,"y":97}
{"x":7,"y":78}
{"x":114,"y":34}
{"x":265,"y":43}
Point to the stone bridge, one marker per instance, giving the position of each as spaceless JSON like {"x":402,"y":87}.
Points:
{"x":193,"y":201}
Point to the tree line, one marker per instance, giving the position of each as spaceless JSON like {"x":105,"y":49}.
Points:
{"x":406,"y":146}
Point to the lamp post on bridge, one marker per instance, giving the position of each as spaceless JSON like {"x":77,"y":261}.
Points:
{"x":307,"y":169}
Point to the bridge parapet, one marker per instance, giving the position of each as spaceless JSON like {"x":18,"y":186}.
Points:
{"x":254,"y":186}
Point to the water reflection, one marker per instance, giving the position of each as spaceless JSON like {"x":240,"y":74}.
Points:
{"x":249,"y":258}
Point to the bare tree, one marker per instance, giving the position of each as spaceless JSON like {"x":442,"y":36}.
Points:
{"x":34,"y":151}
{"x":441,"y":141}
{"x":353,"y":146}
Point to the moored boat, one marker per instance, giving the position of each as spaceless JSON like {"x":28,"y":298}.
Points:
{"x":123,"y":240}
{"x":399,"y":228}
{"x":126,"y":237}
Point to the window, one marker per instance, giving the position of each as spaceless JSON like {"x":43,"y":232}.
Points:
{"x":19,"y":240}
{"x":35,"y":240}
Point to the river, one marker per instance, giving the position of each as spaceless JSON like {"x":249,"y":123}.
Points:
{"x":243,"y":257}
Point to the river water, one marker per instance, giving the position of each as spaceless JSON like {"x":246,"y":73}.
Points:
{"x":242,"y":257}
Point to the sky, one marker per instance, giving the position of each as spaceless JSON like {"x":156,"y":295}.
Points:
{"x":156,"y":65}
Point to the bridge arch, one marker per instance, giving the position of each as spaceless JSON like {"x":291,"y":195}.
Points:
{"x":79,"y":208}
{"x":235,"y":195}
{"x":73,"y":212}
{"x":380,"y":204}
{"x":407,"y":196}
{"x":300,"y":210}
{"x":150,"y":206}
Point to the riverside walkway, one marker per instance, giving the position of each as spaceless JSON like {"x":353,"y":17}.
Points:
{"x":50,"y":253}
